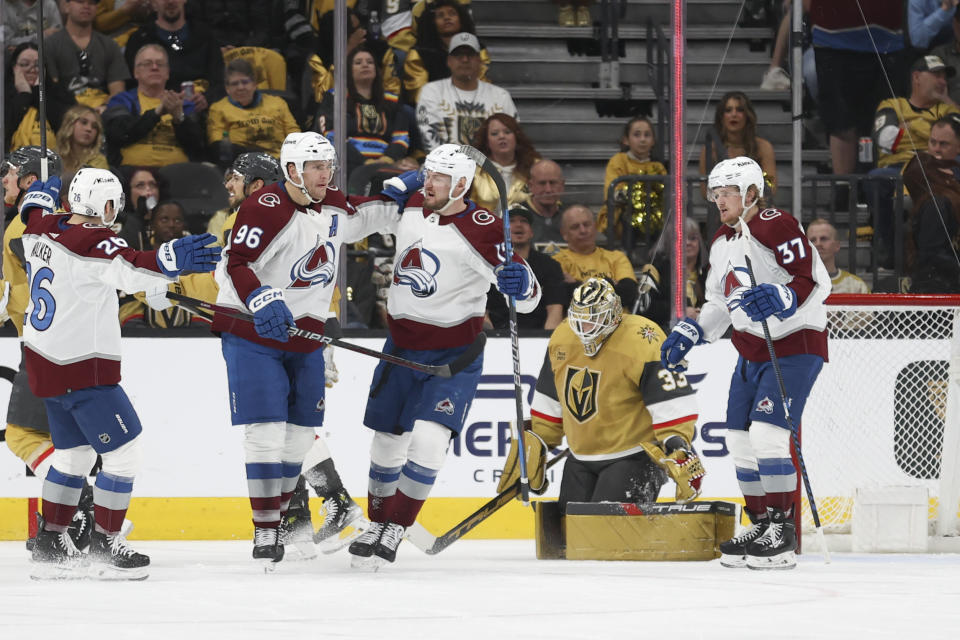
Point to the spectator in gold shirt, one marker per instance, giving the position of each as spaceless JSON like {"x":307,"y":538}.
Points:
{"x":583,"y":259}
{"x":247,"y":119}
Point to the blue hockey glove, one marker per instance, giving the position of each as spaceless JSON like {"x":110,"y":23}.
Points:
{"x":41,"y":195}
{"x":271,"y":316}
{"x":401,"y":187}
{"x":765,"y":300}
{"x":189,"y":254}
{"x":514,"y":279}
{"x":684,"y":336}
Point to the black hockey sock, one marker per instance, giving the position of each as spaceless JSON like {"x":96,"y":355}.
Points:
{"x":324,"y":479}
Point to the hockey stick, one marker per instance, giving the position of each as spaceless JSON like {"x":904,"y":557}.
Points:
{"x":440,"y":370}
{"x":41,"y":97}
{"x":430,"y":544}
{"x":492,"y":171}
{"x":748,"y":253}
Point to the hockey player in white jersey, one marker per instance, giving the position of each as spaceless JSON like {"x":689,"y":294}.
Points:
{"x":280,"y":265}
{"x":792,"y":284}
{"x":449,"y":251}
{"x":71,"y":335}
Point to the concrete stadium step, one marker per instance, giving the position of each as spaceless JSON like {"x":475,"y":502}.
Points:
{"x":543,"y":69}
{"x":637,"y":11}
{"x":582,"y":92}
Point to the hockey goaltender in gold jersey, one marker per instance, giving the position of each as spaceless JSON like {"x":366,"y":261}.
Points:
{"x":626,"y":419}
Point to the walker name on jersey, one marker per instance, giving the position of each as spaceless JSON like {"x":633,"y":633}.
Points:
{"x":42,"y":251}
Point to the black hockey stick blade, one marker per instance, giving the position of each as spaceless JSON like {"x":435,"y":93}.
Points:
{"x":430,"y":544}
{"x":440,"y":370}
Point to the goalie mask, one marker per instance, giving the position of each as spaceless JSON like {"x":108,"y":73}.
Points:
{"x":595,"y":313}
{"x":741,"y":172}
{"x":300,"y":148}
{"x":91,"y":190}
{"x":449,"y":160}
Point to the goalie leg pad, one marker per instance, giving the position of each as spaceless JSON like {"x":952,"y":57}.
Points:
{"x":536,"y":454}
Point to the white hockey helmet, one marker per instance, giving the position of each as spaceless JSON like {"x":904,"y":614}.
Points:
{"x":301,"y":147}
{"x":91,"y":190}
{"x":741,"y":172}
{"x":595,"y":312}
{"x":449,"y":160}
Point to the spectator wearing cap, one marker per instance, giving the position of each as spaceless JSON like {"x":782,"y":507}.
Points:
{"x":549,"y":313}
{"x":950,"y":54}
{"x":427,"y":60}
{"x":932,"y":178}
{"x":901,"y":128}
{"x":451,"y":110}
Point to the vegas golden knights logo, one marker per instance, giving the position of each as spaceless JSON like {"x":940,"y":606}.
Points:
{"x":580,"y":392}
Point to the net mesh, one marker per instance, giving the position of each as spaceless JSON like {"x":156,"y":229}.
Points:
{"x":877,"y":412}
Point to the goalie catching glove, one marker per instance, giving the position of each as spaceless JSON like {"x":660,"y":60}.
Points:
{"x":536,"y":450}
{"x":682,"y":464}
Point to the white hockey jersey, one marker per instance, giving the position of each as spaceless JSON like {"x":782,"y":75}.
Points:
{"x":781,"y":254}
{"x":277,"y":243}
{"x":441,"y":275}
{"x":71,"y":329}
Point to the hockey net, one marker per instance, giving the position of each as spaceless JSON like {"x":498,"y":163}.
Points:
{"x":885,"y":410}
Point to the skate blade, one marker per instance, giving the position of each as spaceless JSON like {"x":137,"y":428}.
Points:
{"x":304,"y":550}
{"x":49,"y":571}
{"x":109,"y":573}
{"x":733,"y":562}
{"x":344,"y":537}
{"x":780,"y":562}
{"x":371,"y":564}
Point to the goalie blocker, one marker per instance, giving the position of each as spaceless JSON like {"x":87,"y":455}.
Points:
{"x":626,"y":531}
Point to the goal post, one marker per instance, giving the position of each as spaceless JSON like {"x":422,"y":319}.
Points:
{"x":885,"y":410}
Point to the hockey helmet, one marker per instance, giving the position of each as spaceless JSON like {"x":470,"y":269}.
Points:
{"x":449,"y":160}
{"x":91,"y":190}
{"x":257,"y":165}
{"x":301,"y":147}
{"x":595,"y":312}
{"x":741,"y":172}
{"x":26,"y":160}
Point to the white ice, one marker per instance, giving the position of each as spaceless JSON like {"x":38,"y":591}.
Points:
{"x":483,"y":589}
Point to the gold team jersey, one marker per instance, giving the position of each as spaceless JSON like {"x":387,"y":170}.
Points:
{"x":14,"y":273}
{"x":917,"y":121}
{"x":262,"y":127}
{"x":159,"y":147}
{"x":599,"y":264}
{"x":608,"y":404}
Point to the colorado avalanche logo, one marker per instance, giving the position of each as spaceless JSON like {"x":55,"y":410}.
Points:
{"x":416,"y":267}
{"x":765,"y":406}
{"x":735,"y":283}
{"x":315,"y":267}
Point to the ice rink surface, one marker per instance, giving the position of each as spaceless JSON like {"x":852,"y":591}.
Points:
{"x":483,"y":589}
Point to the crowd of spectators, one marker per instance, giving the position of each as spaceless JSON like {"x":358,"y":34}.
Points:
{"x":140,"y":85}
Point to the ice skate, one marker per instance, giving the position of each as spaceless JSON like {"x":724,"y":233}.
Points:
{"x":342,"y":522}
{"x":55,"y":557}
{"x":734,"y":550}
{"x":362,"y":549}
{"x":296,"y":526}
{"x":776,"y":548}
{"x":391,"y":538}
{"x":267,"y":547}
{"x":111,"y":558}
